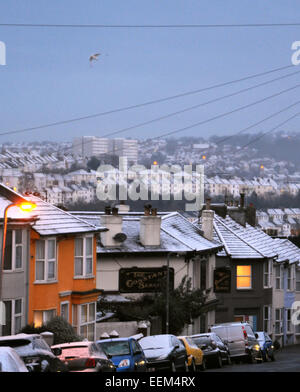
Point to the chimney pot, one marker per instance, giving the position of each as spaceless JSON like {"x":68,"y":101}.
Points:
{"x":107,"y":210}
{"x":115,"y":211}
{"x":208,"y":202}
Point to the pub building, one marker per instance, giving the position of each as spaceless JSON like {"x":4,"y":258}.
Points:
{"x":133,"y":255}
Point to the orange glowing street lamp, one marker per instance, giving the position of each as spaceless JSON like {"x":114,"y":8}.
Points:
{"x":24,"y":206}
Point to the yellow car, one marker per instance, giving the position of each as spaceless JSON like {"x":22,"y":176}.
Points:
{"x":195,"y":354}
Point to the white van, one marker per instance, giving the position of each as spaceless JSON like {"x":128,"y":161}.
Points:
{"x":241,"y":340}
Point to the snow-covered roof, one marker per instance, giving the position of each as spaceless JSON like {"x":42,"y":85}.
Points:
{"x":287,"y":250}
{"x":177,"y":235}
{"x":242,"y":242}
{"x":46,"y":218}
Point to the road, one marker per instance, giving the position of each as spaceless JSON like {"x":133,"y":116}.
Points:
{"x":287,"y":360}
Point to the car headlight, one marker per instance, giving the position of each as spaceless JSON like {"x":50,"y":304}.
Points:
{"x":124,"y":362}
{"x":256,"y":347}
{"x":141,"y":363}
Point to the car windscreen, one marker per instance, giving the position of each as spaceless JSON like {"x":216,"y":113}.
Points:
{"x":261,"y":337}
{"x":15,"y":342}
{"x":155,"y":342}
{"x":115,"y":348}
{"x":202,"y":340}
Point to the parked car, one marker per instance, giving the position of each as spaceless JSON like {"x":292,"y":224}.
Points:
{"x":241,"y":340}
{"x":266,"y":346}
{"x":83,"y":356}
{"x":195,"y":354}
{"x":213,"y":354}
{"x":165,"y":352}
{"x":34,"y":351}
{"x":126,"y":354}
{"x":10,"y":361}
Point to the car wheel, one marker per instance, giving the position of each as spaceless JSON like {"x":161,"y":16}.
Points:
{"x":229,"y":362}
{"x":186,"y":366}
{"x":219,"y":361}
{"x":203,"y":366}
{"x":193,"y":367}
{"x":173,"y":367}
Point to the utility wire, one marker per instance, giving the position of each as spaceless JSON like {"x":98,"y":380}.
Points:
{"x":150,"y":26}
{"x":189,"y":108}
{"x":271,"y":130}
{"x":125,"y":108}
{"x":211,"y":118}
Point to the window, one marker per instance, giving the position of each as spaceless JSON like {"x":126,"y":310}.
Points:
{"x":267,"y":273}
{"x":267,"y":318}
{"x":13,"y":316}
{"x":288,"y":320}
{"x":64,"y":310}
{"x":203,"y":273}
{"x":243,"y":277}
{"x":83,"y":256}
{"x":13,"y":250}
{"x":84,"y":320}
{"x":297,"y":280}
{"x":278,"y":277}
{"x":45,"y":264}
{"x":278,"y":321}
{"x":290,"y":278}
{"x":43,"y":316}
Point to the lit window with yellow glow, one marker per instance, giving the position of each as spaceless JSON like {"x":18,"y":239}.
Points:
{"x":243,"y":277}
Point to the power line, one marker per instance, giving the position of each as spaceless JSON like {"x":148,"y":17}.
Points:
{"x":125,"y":108}
{"x":150,"y":26}
{"x":189,"y":108}
{"x":271,"y":130}
{"x":214,"y":117}
{"x":82,"y":143}
{"x":257,"y":123}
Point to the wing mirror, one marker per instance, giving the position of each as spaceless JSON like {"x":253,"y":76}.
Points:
{"x":57,"y":351}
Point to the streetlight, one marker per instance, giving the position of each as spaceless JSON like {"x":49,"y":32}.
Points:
{"x":24,"y":206}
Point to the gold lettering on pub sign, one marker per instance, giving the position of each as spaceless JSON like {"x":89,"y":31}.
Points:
{"x":145,"y":280}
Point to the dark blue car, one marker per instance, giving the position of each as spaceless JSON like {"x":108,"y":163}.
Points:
{"x":266,"y":346}
{"x":126,"y":354}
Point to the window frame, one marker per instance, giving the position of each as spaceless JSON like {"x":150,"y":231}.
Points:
{"x":84,"y":256}
{"x":297,"y":279}
{"x":279,"y":278}
{"x":267,"y":273}
{"x":278,"y":321}
{"x":244,"y":276}
{"x":65,"y":303}
{"x":14,"y":315}
{"x":267,"y":320}
{"x":46,"y":260}
{"x":14,"y":251}
{"x":77,"y":319}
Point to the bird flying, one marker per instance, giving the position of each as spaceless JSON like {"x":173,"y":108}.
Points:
{"x":94,"y":57}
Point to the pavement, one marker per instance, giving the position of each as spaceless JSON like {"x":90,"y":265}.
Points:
{"x":287,"y":359}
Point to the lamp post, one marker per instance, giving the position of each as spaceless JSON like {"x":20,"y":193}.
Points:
{"x":24,"y":206}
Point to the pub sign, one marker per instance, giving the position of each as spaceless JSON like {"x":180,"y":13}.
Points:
{"x":144,"y":280}
{"x":222,"y":280}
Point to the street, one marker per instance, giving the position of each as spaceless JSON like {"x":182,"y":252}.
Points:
{"x":287,"y":360}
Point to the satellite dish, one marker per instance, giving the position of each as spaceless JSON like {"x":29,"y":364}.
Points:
{"x":120,"y":237}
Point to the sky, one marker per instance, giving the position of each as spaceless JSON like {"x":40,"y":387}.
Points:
{"x":48,"y":77}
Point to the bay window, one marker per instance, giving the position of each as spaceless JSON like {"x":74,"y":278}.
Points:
{"x":84,"y":320}
{"x":13,"y":316}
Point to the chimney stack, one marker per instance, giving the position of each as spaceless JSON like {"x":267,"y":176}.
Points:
{"x":242,"y":202}
{"x":113,"y":222}
{"x":122,"y":207}
{"x":150,"y":225}
{"x":208,"y":221}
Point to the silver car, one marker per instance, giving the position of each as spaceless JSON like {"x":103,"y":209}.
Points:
{"x":241,"y":340}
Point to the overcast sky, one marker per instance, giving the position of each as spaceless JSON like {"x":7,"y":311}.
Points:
{"x":48,"y":76}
